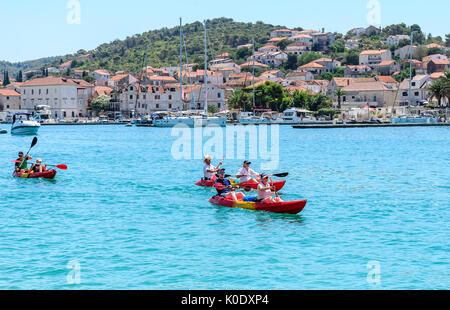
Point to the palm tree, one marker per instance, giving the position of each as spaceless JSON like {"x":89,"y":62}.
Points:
{"x":440,"y":89}
{"x":339,"y":93}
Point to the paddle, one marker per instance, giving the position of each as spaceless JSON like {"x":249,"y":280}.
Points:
{"x":62,"y":167}
{"x":278,"y":175}
{"x":33,"y":143}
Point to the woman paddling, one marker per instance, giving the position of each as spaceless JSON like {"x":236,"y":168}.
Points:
{"x":265,"y":191}
{"x":209,"y":169}
{"x":38,"y":167}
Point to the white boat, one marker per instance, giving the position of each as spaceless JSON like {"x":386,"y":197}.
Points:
{"x":266,"y":118}
{"x":190,"y":121}
{"x":298,"y":116}
{"x":24,"y":124}
{"x":43,"y":114}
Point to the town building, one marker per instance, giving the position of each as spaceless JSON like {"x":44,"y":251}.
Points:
{"x":9,"y":100}
{"x":374,"y":57}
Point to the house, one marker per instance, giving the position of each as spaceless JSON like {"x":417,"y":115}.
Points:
{"x":434,"y":57}
{"x":33,"y":74}
{"x":9,"y":100}
{"x":98,"y":91}
{"x":372,"y":30}
{"x":313,"y":67}
{"x":341,"y":82}
{"x":357,"y":31}
{"x":101,"y":77}
{"x":387,"y":67}
{"x":268,"y":48}
{"x":53,"y":70}
{"x":158,"y":80}
{"x":122,"y":79}
{"x":405,"y":51}
{"x":323,"y":39}
{"x":374,"y":57}
{"x":303,"y":38}
{"x":300,"y":76}
{"x":372,"y":93}
{"x":352,"y":71}
{"x":275,"y":59}
{"x":256,"y":64}
{"x":65,"y":97}
{"x":388,"y":80}
{"x":245,"y":46}
{"x":297,"y":48}
{"x":329,"y":64}
{"x":419,"y":90}
{"x":276,"y":40}
{"x":282,"y":33}
{"x":435,"y":45}
{"x":273,"y":74}
{"x":65,"y":66}
{"x":394,"y":40}
{"x":438,"y":65}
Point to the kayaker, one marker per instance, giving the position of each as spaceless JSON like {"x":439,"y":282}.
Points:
{"x":209,"y":169}
{"x":265,"y":190}
{"x":246,"y":173}
{"x":38,"y":167}
{"x":223,"y":186}
{"x":23,"y":165}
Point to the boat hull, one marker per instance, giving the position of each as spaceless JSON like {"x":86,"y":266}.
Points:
{"x":252,"y":185}
{"x":49,"y":175}
{"x":190,"y":122}
{"x":292,"y":207}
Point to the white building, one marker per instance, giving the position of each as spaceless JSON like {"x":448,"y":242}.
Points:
{"x":67,"y":98}
{"x":394,"y":40}
{"x":374,"y":57}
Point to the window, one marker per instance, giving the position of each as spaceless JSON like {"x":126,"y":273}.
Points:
{"x":416,"y":94}
{"x":46,"y":92}
{"x":39,"y":91}
{"x":219,"y":95}
{"x":131,"y":97}
{"x":413,"y":84}
{"x":170,"y":106}
{"x":7,"y":98}
{"x":405,"y":94}
{"x":170,"y":97}
{"x":32,"y":91}
{"x":157,"y":106}
{"x":24,"y":91}
{"x":73,"y":114}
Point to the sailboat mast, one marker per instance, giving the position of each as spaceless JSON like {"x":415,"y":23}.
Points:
{"x":410,"y":67}
{"x":253,"y":70}
{"x":181,"y":64}
{"x":206,"y":71}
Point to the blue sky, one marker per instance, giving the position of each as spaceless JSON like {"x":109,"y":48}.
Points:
{"x":40,"y":28}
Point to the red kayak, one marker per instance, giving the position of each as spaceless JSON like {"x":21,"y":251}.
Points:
{"x":253,"y":184}
{"x":291,"y":207}
{"x":49,"y":175}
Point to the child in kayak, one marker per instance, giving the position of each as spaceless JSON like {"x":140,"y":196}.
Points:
{"x":223,"y":186}
{"x":265,"y":191}
{"x":245,"y":173}
{"x":208,"y":169}
{"x":38,"y":167}
{"x":23,"y":165}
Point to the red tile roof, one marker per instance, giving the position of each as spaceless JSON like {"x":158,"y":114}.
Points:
{"x":8,"y":92}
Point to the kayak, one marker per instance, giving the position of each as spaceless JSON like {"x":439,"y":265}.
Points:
{"x":50,"y":175}
{"x":250,"y":184}
{"x":291,"y":207}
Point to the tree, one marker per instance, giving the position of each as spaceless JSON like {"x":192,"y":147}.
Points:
{"x":89,"y":79}
{"x":283,"y":44}
{"x":19,"y":77}
{"x":100,"y":103}
{"x":339,"y":93}
{"x":6,"y":80}
{"x":352,"y":58}
{"x":440,"y":89}
{"x":308,"y":57}
{"x":213,"y":109}
{"x":291,"y":63}
{"x":447,"y":40}
{"x":240,"y":100}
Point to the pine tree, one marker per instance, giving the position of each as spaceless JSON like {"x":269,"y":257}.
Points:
{"x":19,"y":77}
{"x":6,"y":79}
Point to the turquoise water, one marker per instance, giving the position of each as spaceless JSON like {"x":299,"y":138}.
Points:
{"x":132,"y":219}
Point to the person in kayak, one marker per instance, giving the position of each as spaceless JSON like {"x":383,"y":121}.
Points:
{"x":209,"y":169}
{"x":23,"y":165}
{"x":223,"y":186}
{"x":38,"y":167}
{"x":265,"y":191}
{"x":246,"y":173}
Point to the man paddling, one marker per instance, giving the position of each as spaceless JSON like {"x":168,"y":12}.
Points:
{"x":22,"y":162}
{"x":209,"y":169}
{"x":246,"y":173}
{"x":223,"y":186}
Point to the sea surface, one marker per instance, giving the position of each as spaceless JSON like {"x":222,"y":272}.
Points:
{"x":126,"y":215}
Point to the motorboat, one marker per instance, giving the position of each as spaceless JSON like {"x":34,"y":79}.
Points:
{"x":24,"y":124}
